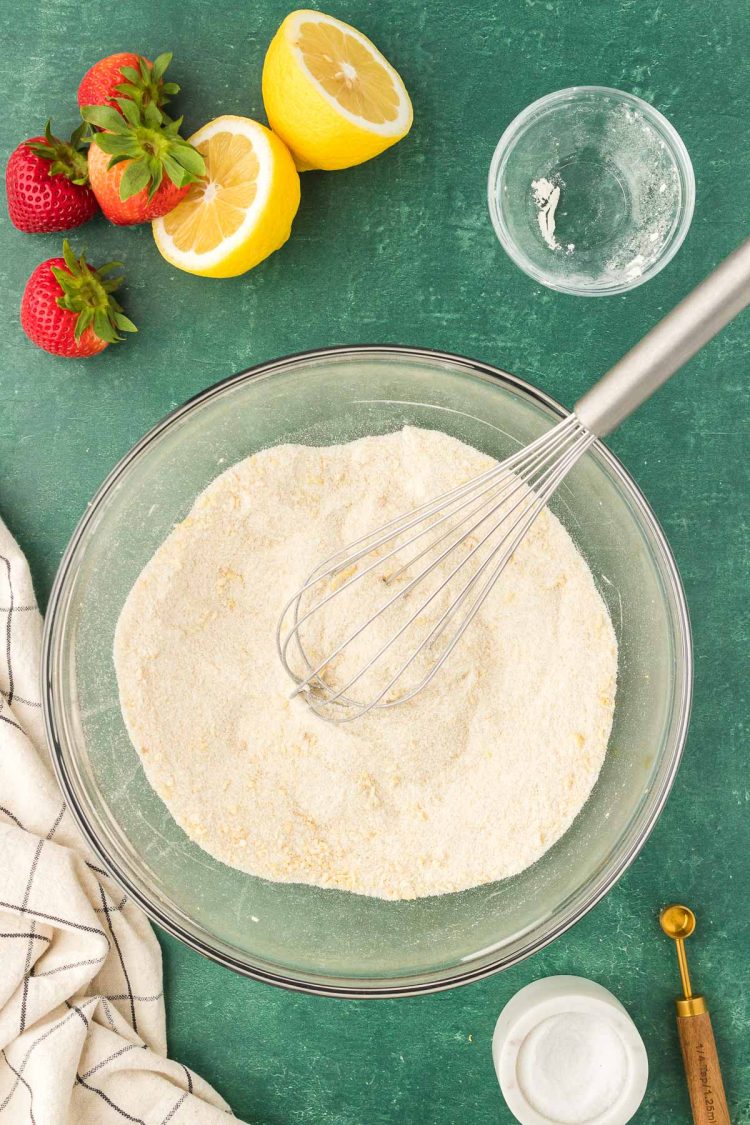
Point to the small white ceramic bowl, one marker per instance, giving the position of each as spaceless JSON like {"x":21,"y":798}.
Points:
{"x":536,"y":1062}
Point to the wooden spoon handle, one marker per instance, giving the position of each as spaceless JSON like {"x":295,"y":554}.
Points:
{"x":702,"y":1071}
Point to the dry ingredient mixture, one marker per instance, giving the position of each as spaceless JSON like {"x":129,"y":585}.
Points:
{"x":470,"y":782}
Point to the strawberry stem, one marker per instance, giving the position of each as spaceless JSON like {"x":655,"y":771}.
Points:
{"x":145,"y":84}
{"x":67,"y":158}
{"x":149,"y":141}
{"x":87,"y":292}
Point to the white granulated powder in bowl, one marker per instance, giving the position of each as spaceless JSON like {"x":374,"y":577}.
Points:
{"x":470,"y":782}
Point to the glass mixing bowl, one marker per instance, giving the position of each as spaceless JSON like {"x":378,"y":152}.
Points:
{"x":329,"y":941}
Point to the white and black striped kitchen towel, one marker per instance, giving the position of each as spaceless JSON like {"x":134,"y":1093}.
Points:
{"x":82,"y":1024}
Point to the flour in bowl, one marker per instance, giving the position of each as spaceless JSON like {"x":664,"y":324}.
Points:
{"x":470,"y":782}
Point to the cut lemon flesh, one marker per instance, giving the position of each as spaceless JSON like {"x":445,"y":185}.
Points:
{"x":330,"y":94}
{"x":241,"y":211}
{"x":348,"y":72}
{"x":215,"y":210}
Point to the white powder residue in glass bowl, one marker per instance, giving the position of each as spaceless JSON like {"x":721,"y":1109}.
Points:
{"x":470,"y":782}
{"x":607,"y":197}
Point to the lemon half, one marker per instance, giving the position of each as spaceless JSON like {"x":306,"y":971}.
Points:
{"x":242,"y":211}
{"x":329,"y":93}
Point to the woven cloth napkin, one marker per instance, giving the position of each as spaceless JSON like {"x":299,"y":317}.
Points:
{"x":82,"y":1023}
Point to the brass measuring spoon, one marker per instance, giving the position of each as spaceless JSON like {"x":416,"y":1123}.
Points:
{"x":705,"y":1086}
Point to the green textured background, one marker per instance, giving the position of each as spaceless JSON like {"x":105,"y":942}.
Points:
{"x":401,"y":250}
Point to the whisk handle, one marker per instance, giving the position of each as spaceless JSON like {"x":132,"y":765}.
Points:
{"x":669,"y":344}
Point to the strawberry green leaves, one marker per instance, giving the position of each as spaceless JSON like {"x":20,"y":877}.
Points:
{"x":145,"y":85}
{"x":139,"y":175}
{"x":67,"y":158}
{"x":88,"y":293}
{"x":104,"y":117}
{"x":149,"y":141}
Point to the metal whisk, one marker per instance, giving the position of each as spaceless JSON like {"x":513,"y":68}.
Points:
{"x":438,"y":563}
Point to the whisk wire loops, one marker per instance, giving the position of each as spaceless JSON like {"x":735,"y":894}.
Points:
{"x":471,"y":534}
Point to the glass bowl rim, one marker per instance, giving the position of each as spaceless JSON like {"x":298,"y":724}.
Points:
{"x":354,"y":987}
{"x":518,"y":127}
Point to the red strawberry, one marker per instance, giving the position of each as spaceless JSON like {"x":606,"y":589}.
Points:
{"x":127,"y":76}
{"x":131,"y":186}
{"x":138,"y":208}
{"x":68,"y":308}
{"x":47,"y":185}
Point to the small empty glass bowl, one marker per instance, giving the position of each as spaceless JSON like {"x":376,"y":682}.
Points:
{"x":591,"y":191}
